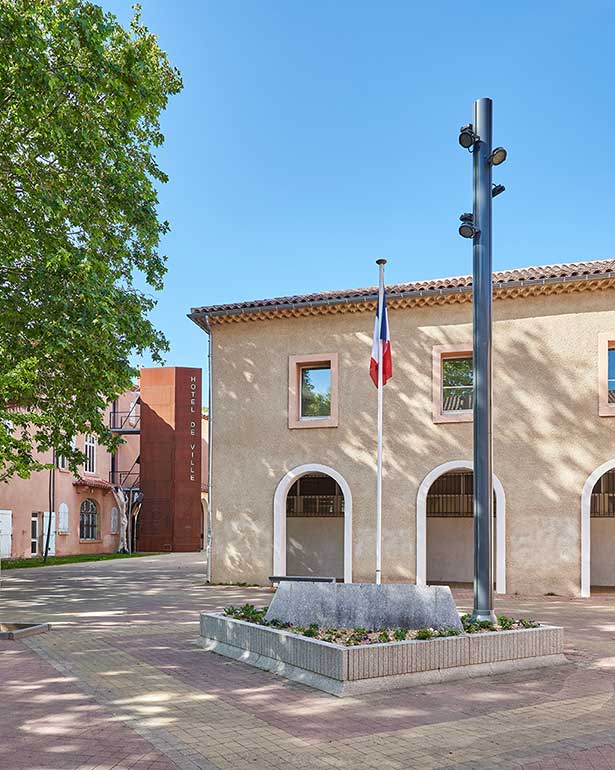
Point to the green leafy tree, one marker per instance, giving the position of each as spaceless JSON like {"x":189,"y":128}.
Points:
{"x":314,"y":402}
{"x":80,"y":101}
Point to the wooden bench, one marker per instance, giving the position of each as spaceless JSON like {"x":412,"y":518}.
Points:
{"x":301,"y":578}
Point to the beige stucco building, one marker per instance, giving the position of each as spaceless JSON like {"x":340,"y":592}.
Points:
{"x":292,"y":401}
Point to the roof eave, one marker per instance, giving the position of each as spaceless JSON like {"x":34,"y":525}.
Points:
{"x":201,"y":316}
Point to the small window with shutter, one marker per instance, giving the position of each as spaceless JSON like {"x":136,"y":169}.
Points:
{"x":63,"y":519}
{"x":115,"y":520}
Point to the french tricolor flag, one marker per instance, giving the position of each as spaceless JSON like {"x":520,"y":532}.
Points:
{"x":381,"y":337}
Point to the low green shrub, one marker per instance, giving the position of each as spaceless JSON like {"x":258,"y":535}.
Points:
{"x":357,"y":636}
{"x":330,"y":635}
{"x":527,"y":623}
{"x":425,"y":633}
{"x":449,"y":631}
{"x":360,"y":635}
{"x":247,"y":612}
{"x":312,"y":630}
{"x":505,"y":623}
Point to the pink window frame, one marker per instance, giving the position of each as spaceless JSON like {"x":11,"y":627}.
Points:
{"x":295,"y":364}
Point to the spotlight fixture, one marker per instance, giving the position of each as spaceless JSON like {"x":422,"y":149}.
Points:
{"x":467,"y":229}
{"x":497,"y":189}
{"x":497,"y":156}
{"x":467,"y":137}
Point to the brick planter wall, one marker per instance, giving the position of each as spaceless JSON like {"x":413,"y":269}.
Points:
{"x":348,"y":670}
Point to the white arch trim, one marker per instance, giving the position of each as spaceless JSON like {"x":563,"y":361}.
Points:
{"x":279,"y":516}
{"x":586,"y":498}
{"x":421,"y":522}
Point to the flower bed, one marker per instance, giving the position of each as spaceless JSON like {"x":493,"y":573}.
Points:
{"x":351,"y":637}
{"x":362,"y":663}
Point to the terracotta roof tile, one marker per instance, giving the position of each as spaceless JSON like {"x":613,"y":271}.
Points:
{"x":568,"y":271}
{"x":96,"y":483}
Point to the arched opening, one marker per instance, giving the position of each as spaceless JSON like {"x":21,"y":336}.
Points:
{"x":312,"y":524}
{"x":447,"y":498}
{"x":315,"y":527}
{"x":450,"y":529}
{"x":602,"y":531}
{"x":590,"y":531}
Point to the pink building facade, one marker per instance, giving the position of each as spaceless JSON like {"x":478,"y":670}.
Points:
{"x":86,"y":515}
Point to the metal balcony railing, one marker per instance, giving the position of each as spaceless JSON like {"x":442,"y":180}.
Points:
{"x":602,"y":505}
{"x":315,"y":505}
{"x":125,"y":479}
{"x":126,"y":422}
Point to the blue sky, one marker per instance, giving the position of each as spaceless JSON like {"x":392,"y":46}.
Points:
{"x":312,"y":138}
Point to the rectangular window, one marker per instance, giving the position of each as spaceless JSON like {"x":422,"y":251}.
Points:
{"x":453,"y":383}
{"x":606,"y":374}
{"x":90,"y":454}
{"x":34,"y":535}
{"x":61,"y":461}
{"x":457,"y":384}
{"x":611,"y":376}
{"x":313,"y":391}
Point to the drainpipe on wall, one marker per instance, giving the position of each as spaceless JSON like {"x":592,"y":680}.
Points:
{"x":52,"y":503}
{"x":209,"y":544}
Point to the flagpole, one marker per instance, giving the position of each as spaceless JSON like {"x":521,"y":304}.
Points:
{"x":381,"y":263}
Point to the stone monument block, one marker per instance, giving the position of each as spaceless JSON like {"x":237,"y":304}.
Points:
{"x":365,"y":605}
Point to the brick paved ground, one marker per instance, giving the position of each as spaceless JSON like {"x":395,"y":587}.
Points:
{"x":119,"y":683}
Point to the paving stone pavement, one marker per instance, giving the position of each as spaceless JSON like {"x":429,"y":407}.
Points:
{"x":119,"y":684}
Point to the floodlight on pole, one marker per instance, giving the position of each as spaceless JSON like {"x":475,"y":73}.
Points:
{"x":498,"y":156}
{"x":467,"y":229}
{"x":467,"y":137}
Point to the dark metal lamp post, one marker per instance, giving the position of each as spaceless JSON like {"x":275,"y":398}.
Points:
{"x":477,"y":138}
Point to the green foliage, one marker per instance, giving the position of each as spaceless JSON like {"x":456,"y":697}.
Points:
{"x":247,"y":612}
{"x":425,"y":633}
{"x":449,"y":631}
{"x":486,"y":625}
{"x":505,"y":623}
{"x":457,"y":372}
{"x":466,"y":622}
{"x":400,"y":634}
{"x":80,"y":101}
{"x":275,"y":623}
{"x":527,"y":623}
{"x":312,"y":630}
{"x":330,"y":635}
{"x":383,"y":636}
{"x":313,"y":403}
{"x":357,"y":636}
{"x":471,"y":627}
